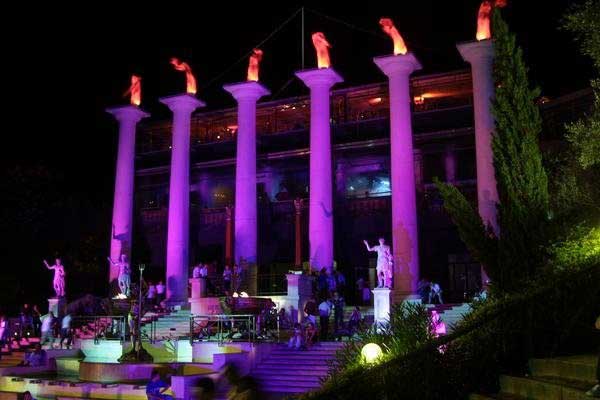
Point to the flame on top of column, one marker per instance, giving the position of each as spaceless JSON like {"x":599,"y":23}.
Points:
{"x":253,"y":64}
{"x":483,"y":18}
{"x":189,"y":77}
{"x":388,"y":27}
{"x":322,"y":46}
{"x":135,"y":90}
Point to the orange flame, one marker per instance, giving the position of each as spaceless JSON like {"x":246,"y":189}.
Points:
{"x":388,"y":27}
{"x":483,"y":18}
{"x":135,"y":90}
{"x":189,"y":77}
{"x":322,"y":46}
{"x":253,"y":64}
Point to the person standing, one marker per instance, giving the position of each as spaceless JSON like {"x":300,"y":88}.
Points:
{"x":311,"y":310}
{"x":227,"y":273}
{"x":355,"y":320}
{"x":338,"y":311}
{"x":48,"y":329}
{"x":3,"y":331}
{"x":37,"y":320}
{"x":237,"y":278}
{"x":435,"y":291}
{"x":160,"y":291}
{"x":151,"y":295}
{"x":65,"y":331}
{"x":324,"y":314}
{"x":340,"y":281}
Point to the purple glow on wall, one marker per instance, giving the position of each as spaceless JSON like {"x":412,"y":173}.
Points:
{"x":178,"y":232}
{"x":245,"y":221}
{"x":405,"y":245}
{"x":320,"y":217}
{"x":122,"y":221}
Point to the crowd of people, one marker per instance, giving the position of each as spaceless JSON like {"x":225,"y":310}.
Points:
{"x":230,"y":279}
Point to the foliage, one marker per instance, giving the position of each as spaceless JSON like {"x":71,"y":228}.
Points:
{"x":498,"y":336}
{"x":408,"y":329}
{"x":522,"y":183}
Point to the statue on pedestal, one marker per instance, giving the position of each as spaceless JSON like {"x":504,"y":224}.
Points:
{"x":59,"y":277}
{"x":384,"y":263}
{"x":124,"y":274}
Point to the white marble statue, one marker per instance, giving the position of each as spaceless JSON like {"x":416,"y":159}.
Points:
{"x":59,"y":277}
{"x":384,"y":263}
{"x":124,"y":274}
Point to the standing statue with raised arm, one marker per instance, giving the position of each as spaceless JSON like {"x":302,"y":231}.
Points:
{"x":124,"y":274}
{"x":384,"y":267}
{"x":59,"y":277}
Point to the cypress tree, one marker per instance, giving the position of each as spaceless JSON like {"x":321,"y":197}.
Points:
{"x":518,"y":252}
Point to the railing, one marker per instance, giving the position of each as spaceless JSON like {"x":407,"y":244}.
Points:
{"x":100,"y":327}
{"x":223,"y":328}
{"x":272,"y":284}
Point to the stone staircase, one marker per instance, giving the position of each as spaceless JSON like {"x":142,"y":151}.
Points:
{"x":287,"y":371}
{"x":561,"y":378}
{"x":175,"y":324}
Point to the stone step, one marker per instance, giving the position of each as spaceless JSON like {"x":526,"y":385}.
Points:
{"x":284,"y":389}
{"x":298,"y":364}
{"x":270,"y":377}
{"x":543,"y":388}
{"x":300,"y":356}
{"x":275,"y":370}
{"x":581,"y":367}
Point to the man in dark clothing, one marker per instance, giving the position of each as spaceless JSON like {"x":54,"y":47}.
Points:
{"x":338,"y":310}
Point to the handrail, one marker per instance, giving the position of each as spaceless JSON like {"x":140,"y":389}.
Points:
{"x":225,"y":327}
{"x":100,"y":328}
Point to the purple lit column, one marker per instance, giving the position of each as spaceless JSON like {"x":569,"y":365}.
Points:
{"x":405,"y":245}
{"x":320,"y":206}
{"x":178,"y":233}
{"x":481,"y":55}
{"x":122,"y":221}
{"x":245,"y":237}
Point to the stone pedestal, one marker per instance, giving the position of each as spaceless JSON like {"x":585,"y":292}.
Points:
{"x":58,"y":306}
{"x":197,"y":288}
{"x":382,"y":305}
{"x":299,"y":290}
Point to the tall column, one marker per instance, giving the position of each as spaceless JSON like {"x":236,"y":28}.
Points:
{"x":122,"y":220}
{"x":245,"y":222}
{"x":450,"y":164}
{"x":178,"y":232}
{"x":481,"y":56}
{"x":298,"y":233}
{"x":405,"y":245}
{"x":320,"y":206}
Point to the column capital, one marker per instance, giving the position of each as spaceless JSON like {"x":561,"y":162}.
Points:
{"x":182,"y":102}
{"x":476,"y":51}
{"x":249,"y":90}
{"x":397,"y":64}
{"x":127,"y":113}
{"x":319,"y":77}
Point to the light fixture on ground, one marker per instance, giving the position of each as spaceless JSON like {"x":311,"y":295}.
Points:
{"x":371,"y":352}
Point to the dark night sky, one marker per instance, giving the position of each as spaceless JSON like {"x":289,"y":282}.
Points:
{"x":63,"y":65}
{"x":68,"y":69}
